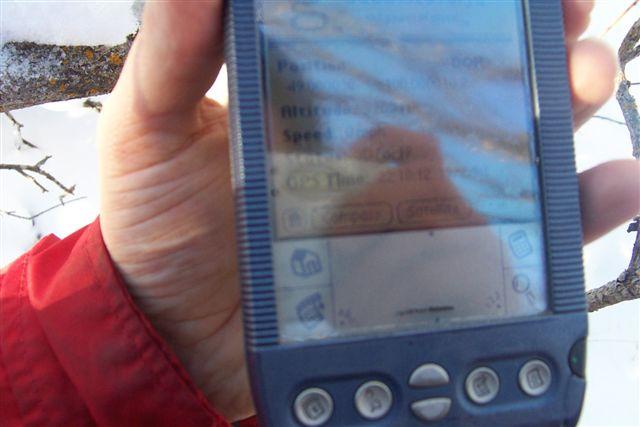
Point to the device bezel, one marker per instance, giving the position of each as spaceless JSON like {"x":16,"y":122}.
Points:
{"x":279,"y":371}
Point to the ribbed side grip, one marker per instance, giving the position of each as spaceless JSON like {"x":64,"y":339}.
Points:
{"x":555,"y":130}
{"x":250,"y":175}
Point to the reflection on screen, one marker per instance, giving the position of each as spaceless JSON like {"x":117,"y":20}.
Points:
{"x":404,"y":187}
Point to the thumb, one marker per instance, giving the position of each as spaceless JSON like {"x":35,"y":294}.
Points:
{"x":174,"y":59}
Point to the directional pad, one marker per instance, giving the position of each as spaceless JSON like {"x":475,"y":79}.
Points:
{"x":429,"y":375}
{"x":431,"y":409}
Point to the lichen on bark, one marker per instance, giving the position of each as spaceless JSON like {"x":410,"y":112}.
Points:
{"x":32,"y":73}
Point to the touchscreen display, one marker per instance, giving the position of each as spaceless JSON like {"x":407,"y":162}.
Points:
{"x":402,"y":165}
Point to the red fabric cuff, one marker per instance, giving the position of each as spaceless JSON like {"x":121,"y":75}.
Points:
{"x":75,"y":349}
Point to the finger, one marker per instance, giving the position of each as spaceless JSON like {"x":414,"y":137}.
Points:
{"x":592,"y":71}
{"x":576,"y":17}
{"x":609,"y":196}
{"x":175,"y":57}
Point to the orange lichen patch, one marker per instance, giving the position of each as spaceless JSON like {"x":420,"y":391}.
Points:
{"x":88,"y":53}
{"x":93,"y":91}
{"x":115,"y":59}
{"x":63,"y":87}
{"x":52,"y":81}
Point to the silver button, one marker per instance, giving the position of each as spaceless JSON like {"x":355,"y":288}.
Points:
{"x":535,"y":377}
{"x":482,"y":385}
{"x":373,"y":400}
{"x":431,"y":409}
{"x":429,"y":375}
{"x":313,"y":407}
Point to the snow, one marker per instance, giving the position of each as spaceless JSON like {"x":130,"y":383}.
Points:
{"x":66,"y":130}
{"x":9,"y":66}
{"x":67,"y":135}
{"x":65,"y":22}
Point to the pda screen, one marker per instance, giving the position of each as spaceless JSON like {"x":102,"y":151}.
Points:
{"x":402,"y":164}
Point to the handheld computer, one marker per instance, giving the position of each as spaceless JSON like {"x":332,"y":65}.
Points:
{"x":407,"y":212}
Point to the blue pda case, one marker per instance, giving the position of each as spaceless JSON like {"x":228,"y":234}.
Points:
{"x":407,"y":211}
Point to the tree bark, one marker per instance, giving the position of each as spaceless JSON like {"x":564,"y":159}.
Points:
{"x":626,"y":287}
{"x":32,"y":73}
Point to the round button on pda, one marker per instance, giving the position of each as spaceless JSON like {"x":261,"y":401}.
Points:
{"x":373,"y":400}
{"x":535,"y":377}
{"x":482,"y":385}
{"x":313,"y":407}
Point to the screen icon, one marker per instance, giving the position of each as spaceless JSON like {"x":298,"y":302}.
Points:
{"x":522,"y":285}
{"x":494,"y":301}
{"x":345,"y":318}
{"x":519,"y":244}
{"x":310,"y":311}
{"x":294,"y":220}
{"x":305,"y":263}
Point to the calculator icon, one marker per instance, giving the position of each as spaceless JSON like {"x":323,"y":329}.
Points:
{"x":519,"y":244}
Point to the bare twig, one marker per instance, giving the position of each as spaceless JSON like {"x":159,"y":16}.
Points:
{"x":18,"y":128}
{"x":37,"y":169}
{"x":96,"y":105}
{"x":630,"y":112}
{"x":13,"y":120}
{"x":609,"y":119}
{"x":34,"y":216}
{"x":628,"y":51}
{"x":626,"y":287}
{"x":620,"y":17}
{"x":629,"y":47}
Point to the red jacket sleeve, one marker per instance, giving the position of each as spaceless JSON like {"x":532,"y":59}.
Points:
{"x":75,"y":350}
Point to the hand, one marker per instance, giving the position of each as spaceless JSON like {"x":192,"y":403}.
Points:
{"x":167,"y":212}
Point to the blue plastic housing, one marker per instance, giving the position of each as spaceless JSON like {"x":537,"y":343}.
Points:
{"x":279,"y":372}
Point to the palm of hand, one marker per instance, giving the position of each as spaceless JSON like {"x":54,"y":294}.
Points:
{"x":167,"y":219}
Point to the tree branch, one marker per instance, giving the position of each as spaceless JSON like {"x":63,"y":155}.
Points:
{"x":32,"y":73}
{"x":95,"y":105}
{"x":18,"y":129}
{"x":34,"y":216}
{"x":630,"y":112}
{"x":626,"y":287}
{"x":619,"y":18}
{"x":37,"y":169}
{"x":609,"y":119}
{"x":628,"y":48}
